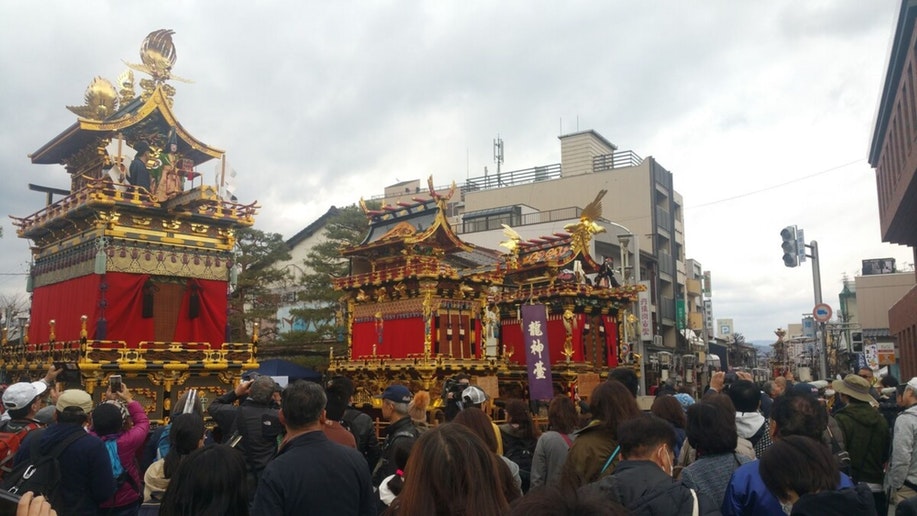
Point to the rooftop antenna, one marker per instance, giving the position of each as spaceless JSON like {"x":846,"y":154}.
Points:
{"x":498,"y":156}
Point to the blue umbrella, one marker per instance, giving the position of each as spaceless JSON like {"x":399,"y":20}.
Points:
{"x":279,"y":367}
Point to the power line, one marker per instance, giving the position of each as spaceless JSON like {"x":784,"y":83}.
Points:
{"x":773,"y":187}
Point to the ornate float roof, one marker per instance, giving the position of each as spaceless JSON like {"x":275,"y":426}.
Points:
{"x":107,"y":112}
{"x":136,"y":121}
{"x":417,"y":225}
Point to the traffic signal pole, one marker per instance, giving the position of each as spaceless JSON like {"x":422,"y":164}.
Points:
{"x":821,"y":337}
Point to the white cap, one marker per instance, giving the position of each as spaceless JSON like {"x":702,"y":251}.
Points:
{"x":20,"y":395}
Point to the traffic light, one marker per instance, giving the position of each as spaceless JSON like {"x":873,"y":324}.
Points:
{"x":790,"y":246}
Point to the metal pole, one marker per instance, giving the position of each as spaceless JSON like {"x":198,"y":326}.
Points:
{"x":638,"y":342}
{"x":820,"y":343}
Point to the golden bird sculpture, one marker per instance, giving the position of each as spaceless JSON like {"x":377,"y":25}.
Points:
{"x":101,"y":100}
{"x":584,"y":230}
{"x":513,"y":239}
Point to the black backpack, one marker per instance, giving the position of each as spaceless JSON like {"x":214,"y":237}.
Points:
{"x":41,"y":473}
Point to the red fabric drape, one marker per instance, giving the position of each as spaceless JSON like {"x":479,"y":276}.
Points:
{"x":512,"y":339}
{"x":557,"y":334}
{"x":400,"y":337}
{"x":209,"y":325}
{"x":124,"y":309}
{"x":65,"y":302}
{"x":611,"y":340}
{"x":364,"y":335}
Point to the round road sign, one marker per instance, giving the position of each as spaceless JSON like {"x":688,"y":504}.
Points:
{"x":822,"y":312}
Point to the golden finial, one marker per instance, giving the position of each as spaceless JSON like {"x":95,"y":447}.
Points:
{"x":101,"y":100}
{"x":51,"y":324}
{"x":126,"y":83}
{"x":83,"y":333}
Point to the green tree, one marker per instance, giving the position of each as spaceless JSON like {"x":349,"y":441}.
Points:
{"x":253,"y":299}
{"x":318,"y":302}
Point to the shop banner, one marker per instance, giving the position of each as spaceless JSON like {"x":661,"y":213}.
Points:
{"x":538,"y":362}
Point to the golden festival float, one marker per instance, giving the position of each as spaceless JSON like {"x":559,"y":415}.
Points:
{"x":128,"y":279}
{"x":423,"y":306}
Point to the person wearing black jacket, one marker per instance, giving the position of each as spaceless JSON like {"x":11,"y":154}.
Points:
{"x":643,"y":482}
{"x":312,"y":475}
{"x":395,"y":402}
{"x":254,"y":420}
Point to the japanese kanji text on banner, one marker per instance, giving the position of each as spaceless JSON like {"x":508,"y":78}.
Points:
{"x":538,"y":357}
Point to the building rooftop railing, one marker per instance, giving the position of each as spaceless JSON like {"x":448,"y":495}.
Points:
{"x":617,"y":159}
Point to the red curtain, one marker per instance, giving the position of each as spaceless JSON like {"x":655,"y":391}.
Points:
{"x":557,"y":335}
{"x":400,"y":337}
{"x":611,"y":340}
{"x":124,"y":308}
{"x":122,"y":294}
{"x":210,"y":323}
{"x":65,"y":302}
{"x":364,"y":335}
{"x":512,"y":339}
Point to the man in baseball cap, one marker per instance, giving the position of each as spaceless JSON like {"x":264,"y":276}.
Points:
{"x":395,"y":400}
{"x":86,"y":479}
{"x":22,"y":401}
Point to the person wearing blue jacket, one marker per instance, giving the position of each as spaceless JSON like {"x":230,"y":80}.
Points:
{"x":86,"y":480}
{"x":794,"y":413}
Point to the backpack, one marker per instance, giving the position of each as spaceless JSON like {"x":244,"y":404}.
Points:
{"x":519,"y":451}
{"x":9,"y":445}
{"x":117,"y":469}
{"x":162,"y":447}
{"x":41,"y":473}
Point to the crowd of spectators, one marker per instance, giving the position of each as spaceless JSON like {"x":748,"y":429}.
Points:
{"x":742,"y":448}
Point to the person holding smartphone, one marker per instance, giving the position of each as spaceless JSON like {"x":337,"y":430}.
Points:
{"x":108,"y":425}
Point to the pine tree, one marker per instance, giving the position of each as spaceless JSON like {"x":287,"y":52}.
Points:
{"x":253,"y":299}
{"x":318,"y":304}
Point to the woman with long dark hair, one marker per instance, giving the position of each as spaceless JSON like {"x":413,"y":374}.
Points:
{"x":479,"y":423}
{"x":211,"y":481}
{"x":595,"y":451}
{"x":553,"y":445}
{"x":451,"y":473}
{"x":185,"y":435}
{"x":520,"y":435}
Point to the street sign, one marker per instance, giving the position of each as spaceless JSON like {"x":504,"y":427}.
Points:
{"x":822,"y":312}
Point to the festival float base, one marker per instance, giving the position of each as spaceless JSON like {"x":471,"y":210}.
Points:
{"x":155,"y":372}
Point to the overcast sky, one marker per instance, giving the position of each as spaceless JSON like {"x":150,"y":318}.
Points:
{"x":763,"y":111}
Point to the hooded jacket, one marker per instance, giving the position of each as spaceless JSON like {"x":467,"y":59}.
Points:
{"x":866,"y":436}
{"x":753,"y":426}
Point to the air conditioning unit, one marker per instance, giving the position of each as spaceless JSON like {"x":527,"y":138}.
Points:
{"x":657,"y":341}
